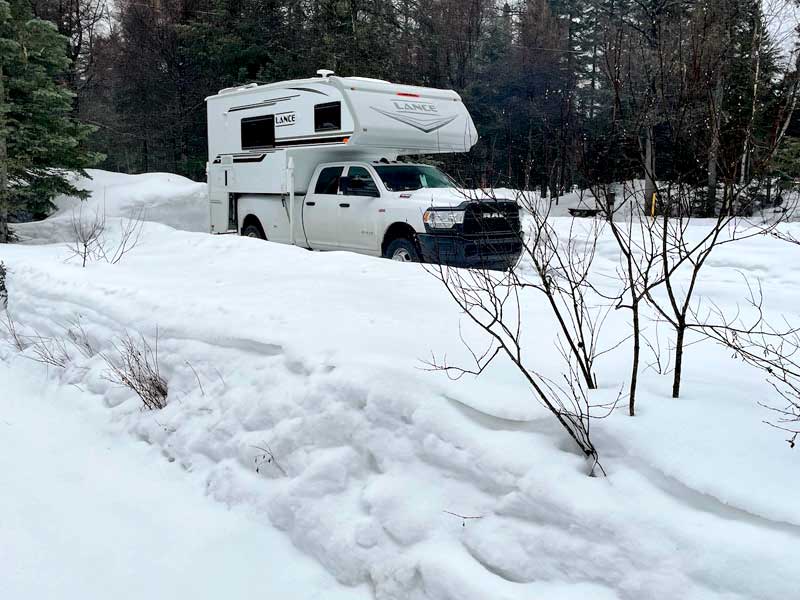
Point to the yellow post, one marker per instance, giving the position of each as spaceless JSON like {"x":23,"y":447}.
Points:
{"x":653,"y":206}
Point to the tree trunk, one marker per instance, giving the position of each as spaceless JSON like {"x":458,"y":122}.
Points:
{"x":713,"y":151}
{"x":635,"y":366}
{"x":4,"y":233}
{"x":676,"y":378}
{"x":744,"y":176}
{"x":649,"y":169}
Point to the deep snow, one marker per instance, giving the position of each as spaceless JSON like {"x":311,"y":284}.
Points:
{"x":318,"y":357}
{"x":87,"y":513}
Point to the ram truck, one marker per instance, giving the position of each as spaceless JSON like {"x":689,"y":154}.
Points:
{"x":317,"y":163}
{"x":405,"y":212}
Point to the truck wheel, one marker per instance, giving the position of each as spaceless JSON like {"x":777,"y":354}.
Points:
{"x":402,"y":250}
{"x":252,"y":230}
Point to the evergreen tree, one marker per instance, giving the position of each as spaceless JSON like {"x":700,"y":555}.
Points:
{"x":40,"y":143}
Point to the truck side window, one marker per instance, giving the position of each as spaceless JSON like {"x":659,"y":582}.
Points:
{"x":258,"y":132}
{"x":360,"y":183}
{"x":328,"y":116}
{"x":328,"y":180}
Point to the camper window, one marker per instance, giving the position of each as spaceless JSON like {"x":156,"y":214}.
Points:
{"x":258,"y":132}
{"x":328,"y":180}
{"x":328,"y":116}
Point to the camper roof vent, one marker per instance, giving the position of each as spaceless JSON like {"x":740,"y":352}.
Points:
{"x":324,"y":73}
{"x":246,"y":86}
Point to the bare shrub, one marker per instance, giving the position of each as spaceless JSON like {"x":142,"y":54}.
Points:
{"x":134,"y":365}
{"x":774,"y":351}
{"x":16,"y":340}
{"x":79,"y":338}
{"x":562,"y":264}
{"x":88,"y":241}
{"x":50,"y":351}
{"x":86,"y":235}
{"x":682,"y":257}
{"x":491,"y":300}
{"x":636,"y":262}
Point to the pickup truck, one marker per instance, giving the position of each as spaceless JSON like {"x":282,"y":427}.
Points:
{"x":402,"y":211}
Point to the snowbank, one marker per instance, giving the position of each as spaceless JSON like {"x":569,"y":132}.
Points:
{"x":315,"y":360}
{"x":157,"y":197}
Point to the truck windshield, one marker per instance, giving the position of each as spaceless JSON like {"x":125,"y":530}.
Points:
{"x":401,"y":178}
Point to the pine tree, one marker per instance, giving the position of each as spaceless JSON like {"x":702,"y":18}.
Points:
{"x":40,"y":143}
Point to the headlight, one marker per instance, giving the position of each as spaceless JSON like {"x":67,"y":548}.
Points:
{"x":443,"y":219}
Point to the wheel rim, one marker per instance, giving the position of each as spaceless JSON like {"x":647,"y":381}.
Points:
{"x":402,"y":255}
{"x":252,"y":234}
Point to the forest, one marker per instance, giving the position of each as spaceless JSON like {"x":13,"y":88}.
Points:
{"x":563,"y":92}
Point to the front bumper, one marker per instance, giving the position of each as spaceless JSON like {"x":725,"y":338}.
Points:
{"x":498,"y":253}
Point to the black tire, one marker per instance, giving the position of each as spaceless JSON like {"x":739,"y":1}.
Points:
{"x":403,"y":250}
{"x":253,"y":230}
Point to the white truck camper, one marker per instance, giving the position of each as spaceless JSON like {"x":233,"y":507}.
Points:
{"x":314,"y":162}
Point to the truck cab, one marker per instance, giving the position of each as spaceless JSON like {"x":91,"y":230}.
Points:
{"x":403,"y":211}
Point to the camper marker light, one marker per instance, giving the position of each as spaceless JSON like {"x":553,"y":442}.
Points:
{"x":443,"y":219}
{"x":408,"y":94}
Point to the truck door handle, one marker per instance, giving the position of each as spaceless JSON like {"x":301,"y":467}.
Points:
{"x":344,"y":205}
{"x":311,"y":203}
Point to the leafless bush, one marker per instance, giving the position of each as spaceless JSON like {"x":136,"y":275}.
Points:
{"x":774,"y":351}
{"x":562,"y":265}
{"x":681,"y":257}
{"x":86,"y":235}
{"x":88,"y":242}
{"x":635,"y":269}
{"x":50,"y":351}
{"x":491,"y":300}
{"x":134,"y":364}
{"x":79,"y":338}
{"x":16,"y":340}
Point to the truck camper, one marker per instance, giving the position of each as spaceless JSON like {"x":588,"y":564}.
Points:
{"x":314,"y":162}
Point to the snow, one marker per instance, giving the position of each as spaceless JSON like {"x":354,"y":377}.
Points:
{"x":115,"y":519}
{"x":318,"y":358}
{"x":164,"y":197}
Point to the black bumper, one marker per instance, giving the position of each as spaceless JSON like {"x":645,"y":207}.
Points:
{"x":486,"y":252}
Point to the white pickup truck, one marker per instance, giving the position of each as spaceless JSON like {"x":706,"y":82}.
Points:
{"x":314,"y":162}
{"x":402,"y":211}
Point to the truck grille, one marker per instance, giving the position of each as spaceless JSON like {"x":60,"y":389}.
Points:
{"x":495,"y":217}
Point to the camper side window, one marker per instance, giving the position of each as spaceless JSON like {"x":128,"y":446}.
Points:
{"x":328,"y":180}
{"x":258,"y":132}
{"x":328,"y":116}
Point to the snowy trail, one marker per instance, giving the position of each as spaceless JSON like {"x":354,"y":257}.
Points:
{"x":87,"y":513}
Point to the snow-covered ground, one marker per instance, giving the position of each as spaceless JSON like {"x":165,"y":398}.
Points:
{"x":89,"y":513}
{"x":318,"y":358}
